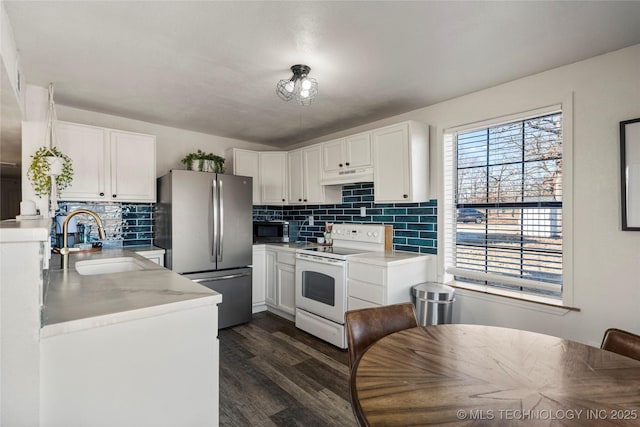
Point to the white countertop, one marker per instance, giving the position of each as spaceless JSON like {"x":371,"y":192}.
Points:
{"x":33,"y":230}
{"x":292,"y":247}
{"x":74,"y":302}
{"x":390,"y":258}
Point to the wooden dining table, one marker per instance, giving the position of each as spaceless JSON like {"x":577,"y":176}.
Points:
{"x":459,"y":375}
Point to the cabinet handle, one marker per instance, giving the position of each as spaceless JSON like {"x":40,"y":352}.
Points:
{"x":114,"y":196}
{"x":283,"y":200}
{"x":299,"y":200}
{"x":404,"y":196}
{"x":340,"y":165}
{"x":101,"y":194}
{"x":347,"y":163}
{"x":305,"y":200}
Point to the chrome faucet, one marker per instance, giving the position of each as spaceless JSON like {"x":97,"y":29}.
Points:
{"x":64,"y":251}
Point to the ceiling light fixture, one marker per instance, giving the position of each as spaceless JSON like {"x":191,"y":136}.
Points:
{"x":300,"y":86}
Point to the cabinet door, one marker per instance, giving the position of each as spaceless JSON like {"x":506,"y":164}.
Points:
{"x":87,"y":148}
{"x":358,"y":150}
{"x":133,"y":167}
{"x":270,"y":278}
{"x":258,"y":277}
{"x":333,"y":155}
{"x":314,"y":192}
{"x":296,"y":177}
{"x":273,"y":177}
{"x":286,"y":288}
{"x":246,"y":163}
{"x":391,"y":171}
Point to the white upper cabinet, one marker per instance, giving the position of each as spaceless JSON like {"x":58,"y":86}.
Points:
{"x":401,"y":163}
{"x":273,"y":177}
{"x":305,"y":176}
{"x":296,"y":178}
{"x":246,"y":163}
{"x":358,"y":153}
{"x":133,"y":167}
{"x":268,"y":170}
{"x":333,"y":155}
{"x":348,"y":159}
{"x":108,"y":165}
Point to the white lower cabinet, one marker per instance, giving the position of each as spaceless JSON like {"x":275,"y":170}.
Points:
{"x":160,"y":370}
{"x":279,"y":279}
{"x":258,"y":279}
{"x":154,"y":255}
{"x":374,"y":285}
{"x":286,"y":287}
{"x":24,"y":252}
{"x":270,"y":278}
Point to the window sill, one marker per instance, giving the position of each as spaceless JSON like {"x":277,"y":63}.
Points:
{"x":535,"y":302}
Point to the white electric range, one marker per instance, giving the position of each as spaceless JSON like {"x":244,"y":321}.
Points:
{"x":321,"y":279}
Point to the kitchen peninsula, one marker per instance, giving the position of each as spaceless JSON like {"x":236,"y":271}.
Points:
{"x":135,"y":347}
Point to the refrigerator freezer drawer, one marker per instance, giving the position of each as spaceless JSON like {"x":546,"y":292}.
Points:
{"x":235,"y":287}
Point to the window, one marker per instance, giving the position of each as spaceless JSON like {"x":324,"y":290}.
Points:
{"x":503,"y":205}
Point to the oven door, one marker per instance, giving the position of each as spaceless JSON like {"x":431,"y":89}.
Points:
{"x":321,"y":286}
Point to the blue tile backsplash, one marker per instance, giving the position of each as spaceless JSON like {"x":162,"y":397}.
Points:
{"x":126,"y":224}
{"x":415,"y":226}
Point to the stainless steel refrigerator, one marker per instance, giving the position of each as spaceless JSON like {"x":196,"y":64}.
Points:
{"x":204,"y":223}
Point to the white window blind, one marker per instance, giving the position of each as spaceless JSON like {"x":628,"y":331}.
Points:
{"x":503,"y":205}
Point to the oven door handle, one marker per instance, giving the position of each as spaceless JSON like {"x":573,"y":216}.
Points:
{"x":322,"y":260}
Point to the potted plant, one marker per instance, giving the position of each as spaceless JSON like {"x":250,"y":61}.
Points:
{"x":47,"y":162}
{"x":204,"y":162}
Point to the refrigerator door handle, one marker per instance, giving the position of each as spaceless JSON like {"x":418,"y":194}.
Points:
{"x":213,"y":279}
{"x":221,"y":222}
{"x":213,"y":238}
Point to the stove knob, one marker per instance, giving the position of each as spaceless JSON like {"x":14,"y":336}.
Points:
{"x":375,"y":234}
{"x":369,"y":234}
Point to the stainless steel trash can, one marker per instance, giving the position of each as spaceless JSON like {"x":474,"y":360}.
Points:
{"x":434,"y":303}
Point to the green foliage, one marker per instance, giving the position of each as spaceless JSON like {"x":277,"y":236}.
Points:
{"x":200,"y":156}
{"x":38,"y":172}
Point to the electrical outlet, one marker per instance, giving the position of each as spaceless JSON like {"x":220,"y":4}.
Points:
{"x":363,"y":211}
{"x":311,"y":222}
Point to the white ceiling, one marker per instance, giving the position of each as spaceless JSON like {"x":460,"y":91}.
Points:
{"x":212,"y":66}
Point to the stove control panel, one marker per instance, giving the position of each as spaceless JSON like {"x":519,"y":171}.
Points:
{"x":368,"y":233}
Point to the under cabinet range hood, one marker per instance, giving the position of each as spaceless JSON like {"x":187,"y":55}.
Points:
{"x":348,"y":176}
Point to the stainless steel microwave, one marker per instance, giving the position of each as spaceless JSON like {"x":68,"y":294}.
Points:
{"x":275,"y":231}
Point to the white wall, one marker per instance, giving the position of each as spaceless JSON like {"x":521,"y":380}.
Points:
{"x":606,"y":260}
{"x":172,"y":143}
{"x":10,"y":57}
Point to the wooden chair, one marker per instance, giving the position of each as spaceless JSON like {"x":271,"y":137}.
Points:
{"x":368,"y":325}
{"x":621,"y":342}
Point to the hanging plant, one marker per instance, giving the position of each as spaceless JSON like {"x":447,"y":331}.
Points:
{"x":41,"y":169}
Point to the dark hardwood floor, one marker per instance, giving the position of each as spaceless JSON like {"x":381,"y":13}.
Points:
{"x":272,"y":374}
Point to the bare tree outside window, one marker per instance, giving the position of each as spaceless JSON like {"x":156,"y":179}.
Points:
{"x":511,"y":174}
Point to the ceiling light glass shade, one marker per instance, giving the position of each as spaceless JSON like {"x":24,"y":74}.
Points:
{"x":301,"y":87}
{"x":285,"y":89}
{"x":306,"y":96}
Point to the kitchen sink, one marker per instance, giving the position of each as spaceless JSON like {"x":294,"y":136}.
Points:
{"x":109,"y":265}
